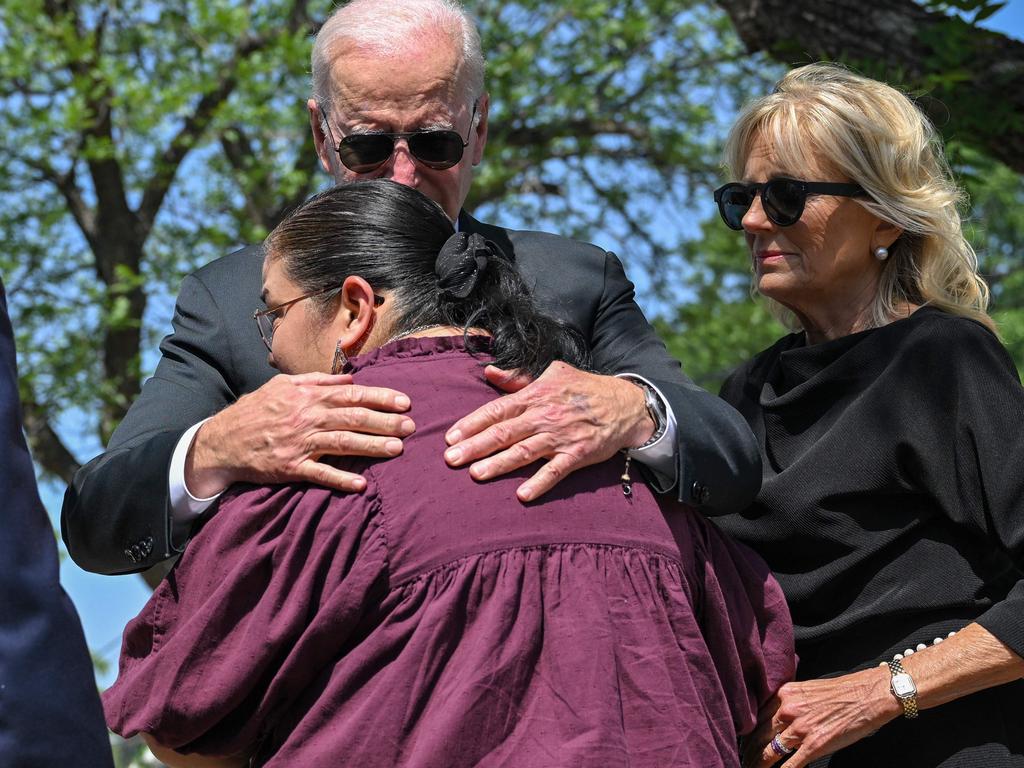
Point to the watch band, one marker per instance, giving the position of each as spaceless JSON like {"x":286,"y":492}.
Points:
{"x":908,"y":699}
{"x":656,"y":410}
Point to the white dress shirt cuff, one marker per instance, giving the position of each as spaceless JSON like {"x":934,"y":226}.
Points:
{"x":185,"y":507}
{"x":659,"y":455}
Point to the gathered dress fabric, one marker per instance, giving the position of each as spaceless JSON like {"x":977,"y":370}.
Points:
{"x":436,"y":621}
{"x":892,"y":513}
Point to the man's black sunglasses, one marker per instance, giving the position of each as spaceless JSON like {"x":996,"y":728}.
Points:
{"x":783,"y":200}
{"x":435,"y":148}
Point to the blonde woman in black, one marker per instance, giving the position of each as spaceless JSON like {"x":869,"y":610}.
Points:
{"x":890,"y":426}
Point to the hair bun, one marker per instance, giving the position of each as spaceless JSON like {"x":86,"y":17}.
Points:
{"x":461,"y":263}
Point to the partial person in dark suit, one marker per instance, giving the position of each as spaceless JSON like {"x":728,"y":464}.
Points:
{"x":49,"y":708}
{"x":398,"y":94}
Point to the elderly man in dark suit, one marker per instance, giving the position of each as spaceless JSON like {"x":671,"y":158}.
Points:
{"x":398,"y":93}
{"x":49,"y":709}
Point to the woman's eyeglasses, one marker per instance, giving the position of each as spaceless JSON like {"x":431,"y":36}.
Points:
{"x":265,"y":318}
{"x":435,"y":148}
{"x":783,"y":200}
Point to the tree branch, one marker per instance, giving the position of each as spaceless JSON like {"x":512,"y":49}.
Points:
{"x":617,"y":203}
{"x":264,"y":202}
{"x":48,"y":449}
{"x":542,"y":135}
{"x":195,"y":125}
{"x":973,"y":78}
{"x":66,"y":184}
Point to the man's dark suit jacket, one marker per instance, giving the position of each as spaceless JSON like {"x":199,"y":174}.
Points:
{"x":116,"y":513}
{"x":49,"y":708}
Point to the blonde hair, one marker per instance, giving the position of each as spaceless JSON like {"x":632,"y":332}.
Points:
{"x":878,"y":138}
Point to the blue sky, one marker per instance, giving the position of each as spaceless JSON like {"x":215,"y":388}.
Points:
{"x":107,"y":603}
{"x":1009,"y":20}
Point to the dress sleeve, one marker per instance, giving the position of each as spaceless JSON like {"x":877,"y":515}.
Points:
{"x":265,"y":597}
{"x":975,"y":432}
{"x":745,"y":621}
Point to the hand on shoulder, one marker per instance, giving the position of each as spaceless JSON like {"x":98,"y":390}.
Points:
{"x":279,"y":433}
{"x":569,"y":417}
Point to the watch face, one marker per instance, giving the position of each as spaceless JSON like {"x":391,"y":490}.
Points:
{"x":903,"y":685}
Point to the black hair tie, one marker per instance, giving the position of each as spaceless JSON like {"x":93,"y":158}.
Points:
{"x":461,"y":263}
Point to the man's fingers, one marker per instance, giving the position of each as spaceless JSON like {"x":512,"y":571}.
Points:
{"x":547,"y":477}
{"x":495,"y":412}
{"x":339,"y":391}
{"x":373,"y":398}
{"x":331,"y":477}
{"x":318,"y":378}
{"x":510,"y":381}
{"x":343,"y":443}
{"x":365,"y":420}
{"x":526,"y":451}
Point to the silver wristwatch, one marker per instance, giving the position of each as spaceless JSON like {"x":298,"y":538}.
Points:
{"x":903,"y":688}
{"x":655,"y":409}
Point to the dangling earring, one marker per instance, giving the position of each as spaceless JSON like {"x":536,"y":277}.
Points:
{"x":340,"y":359}
{"x":881,"y":253}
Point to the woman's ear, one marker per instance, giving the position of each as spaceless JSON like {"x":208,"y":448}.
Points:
{"x":355,"y":318}
{"x":885,"y":235}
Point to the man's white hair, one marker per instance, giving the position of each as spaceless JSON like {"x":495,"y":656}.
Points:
{"x":389,"y":27}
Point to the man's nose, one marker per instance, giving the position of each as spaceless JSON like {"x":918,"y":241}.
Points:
{"x":402,"y":167}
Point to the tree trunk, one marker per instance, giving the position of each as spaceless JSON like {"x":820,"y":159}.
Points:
{"x":972,"y":79}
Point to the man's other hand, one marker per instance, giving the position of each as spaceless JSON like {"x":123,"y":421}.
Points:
{"x":279,"y":433}
{"x":569,"y":417}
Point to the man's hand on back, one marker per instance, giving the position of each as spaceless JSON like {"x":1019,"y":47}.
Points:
{"x":278,"y":434}
{"x":569,"y":417}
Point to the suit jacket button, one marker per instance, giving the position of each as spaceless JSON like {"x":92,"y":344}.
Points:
{"x":700,"y":492}
{"x":130,"y":555}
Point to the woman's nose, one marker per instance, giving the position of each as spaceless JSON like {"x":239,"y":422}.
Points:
{"x":755,"y":220}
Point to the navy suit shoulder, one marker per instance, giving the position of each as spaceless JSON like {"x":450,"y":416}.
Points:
{"x":49,"y":707}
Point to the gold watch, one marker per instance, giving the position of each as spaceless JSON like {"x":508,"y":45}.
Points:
{"x":903,"y":688}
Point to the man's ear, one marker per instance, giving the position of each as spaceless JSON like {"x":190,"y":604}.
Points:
{"x":480,"y":129}
{"x":320,"y":138}
{"x":355,"y":318}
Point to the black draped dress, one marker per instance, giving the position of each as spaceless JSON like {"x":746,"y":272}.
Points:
{"x":892,"y":512}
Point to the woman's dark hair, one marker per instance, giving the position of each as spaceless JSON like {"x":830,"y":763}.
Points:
{"x":399,"y":240}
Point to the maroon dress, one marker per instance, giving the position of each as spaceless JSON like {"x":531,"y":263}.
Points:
{"x":436,"y":621}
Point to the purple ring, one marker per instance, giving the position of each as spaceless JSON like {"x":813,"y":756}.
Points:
{"x":779,"y":748}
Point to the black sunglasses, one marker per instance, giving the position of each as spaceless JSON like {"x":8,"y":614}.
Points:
{"x":435,"y":148}
{"x":783,"y":200}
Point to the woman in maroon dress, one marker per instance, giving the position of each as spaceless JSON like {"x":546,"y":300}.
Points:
{"x":433,"y":620}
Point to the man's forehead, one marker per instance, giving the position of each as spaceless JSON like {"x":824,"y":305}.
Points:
{"x":367,"y":85}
